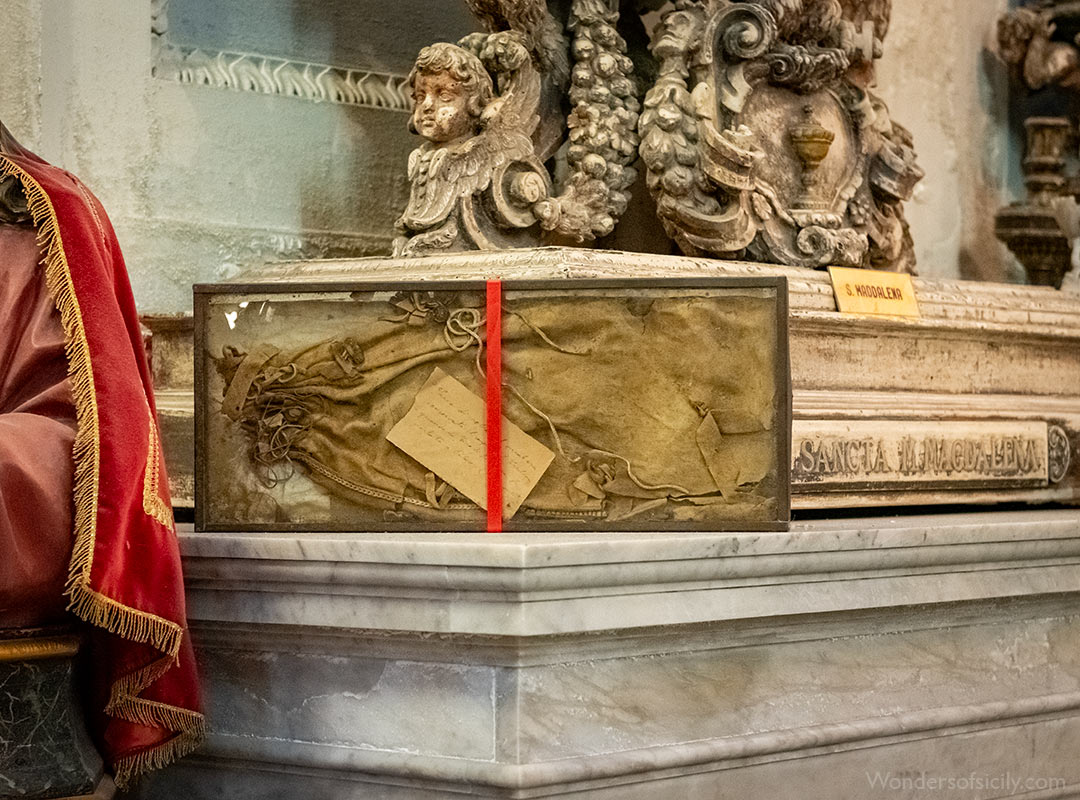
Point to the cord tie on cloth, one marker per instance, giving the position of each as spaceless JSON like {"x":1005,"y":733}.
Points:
{"x":462,"y":331}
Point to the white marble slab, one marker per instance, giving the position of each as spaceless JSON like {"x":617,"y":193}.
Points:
{"x":549,"y":584}
{"x":633,"y":666}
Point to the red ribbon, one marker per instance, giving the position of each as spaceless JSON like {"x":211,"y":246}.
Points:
{"x":494,"y":407}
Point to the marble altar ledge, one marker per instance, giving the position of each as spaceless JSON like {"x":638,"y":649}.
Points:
{"x":553,"y":584}
{"x":635,"y":666}
{"x":1002,"y":356}
{"x":982,"y":304}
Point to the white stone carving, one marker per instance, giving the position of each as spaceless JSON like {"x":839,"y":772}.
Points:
{"x":159,"y":17}
{"x":251,"y":72}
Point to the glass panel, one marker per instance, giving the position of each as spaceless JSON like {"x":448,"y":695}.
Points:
{"x":625,"y":407}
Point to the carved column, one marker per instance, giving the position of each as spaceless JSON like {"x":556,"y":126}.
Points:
{"x":1033,"y":42}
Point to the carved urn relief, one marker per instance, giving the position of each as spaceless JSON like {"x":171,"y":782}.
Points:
{"x":811,"y":143}
{"x":762,"y":138}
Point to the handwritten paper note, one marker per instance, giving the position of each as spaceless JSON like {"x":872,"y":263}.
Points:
{"x":444,"y":431}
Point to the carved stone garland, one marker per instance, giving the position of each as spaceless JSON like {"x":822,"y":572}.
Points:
{"x":603,"y":138}
{"x":761,"y":140}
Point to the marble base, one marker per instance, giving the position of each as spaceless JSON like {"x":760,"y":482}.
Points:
{"x":845,"y":659}
{"x":45,"y":751}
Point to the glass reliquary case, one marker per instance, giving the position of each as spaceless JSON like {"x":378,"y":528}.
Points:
{"x":626,"y":405}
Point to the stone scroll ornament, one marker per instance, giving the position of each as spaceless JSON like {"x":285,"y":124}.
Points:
{"x":762,"y":138}
{"x":490,"y":109}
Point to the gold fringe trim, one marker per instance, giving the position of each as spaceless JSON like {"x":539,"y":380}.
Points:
{"x":87,"y":451}
{"x":153,"y":714}
{"x":153,"y":505}
{"x":126,"y":622}
{"x":91,"y":606}
{"x":124,"y":703}
{"x":128,"y":769}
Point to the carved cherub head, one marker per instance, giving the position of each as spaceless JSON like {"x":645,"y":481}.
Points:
{"x":450,"y":89}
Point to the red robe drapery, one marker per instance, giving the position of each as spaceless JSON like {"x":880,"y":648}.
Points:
{"x":124,"y":577}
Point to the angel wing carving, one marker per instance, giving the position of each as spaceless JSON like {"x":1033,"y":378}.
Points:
{"x":528,"y":53}
{"x":441,"y":176}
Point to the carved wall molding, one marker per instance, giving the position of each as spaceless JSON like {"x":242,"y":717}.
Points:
{"x":532,"y":651}
{"x":768,"y":746}
{"x":159,"y":17}
{"x":263,"y":243}
{"x":253,"y":72}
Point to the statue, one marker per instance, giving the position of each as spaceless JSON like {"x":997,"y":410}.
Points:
{"x":475,"y":178}
{"x":762,"y":138}
{"x":86,"y":523}
{"x":450,"y":89}
{"x":491,"y":112}
{"x":1026,"y":43}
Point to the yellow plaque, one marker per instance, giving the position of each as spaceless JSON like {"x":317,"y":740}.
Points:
{"x":868,"y":291}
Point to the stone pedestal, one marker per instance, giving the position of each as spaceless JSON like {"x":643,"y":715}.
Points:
{"x":45,"y":750}
{"x":875,"y":656}
{"x":846,"y":659}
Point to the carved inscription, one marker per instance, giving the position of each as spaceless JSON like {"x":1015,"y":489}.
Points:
{"x":901,"y":453}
